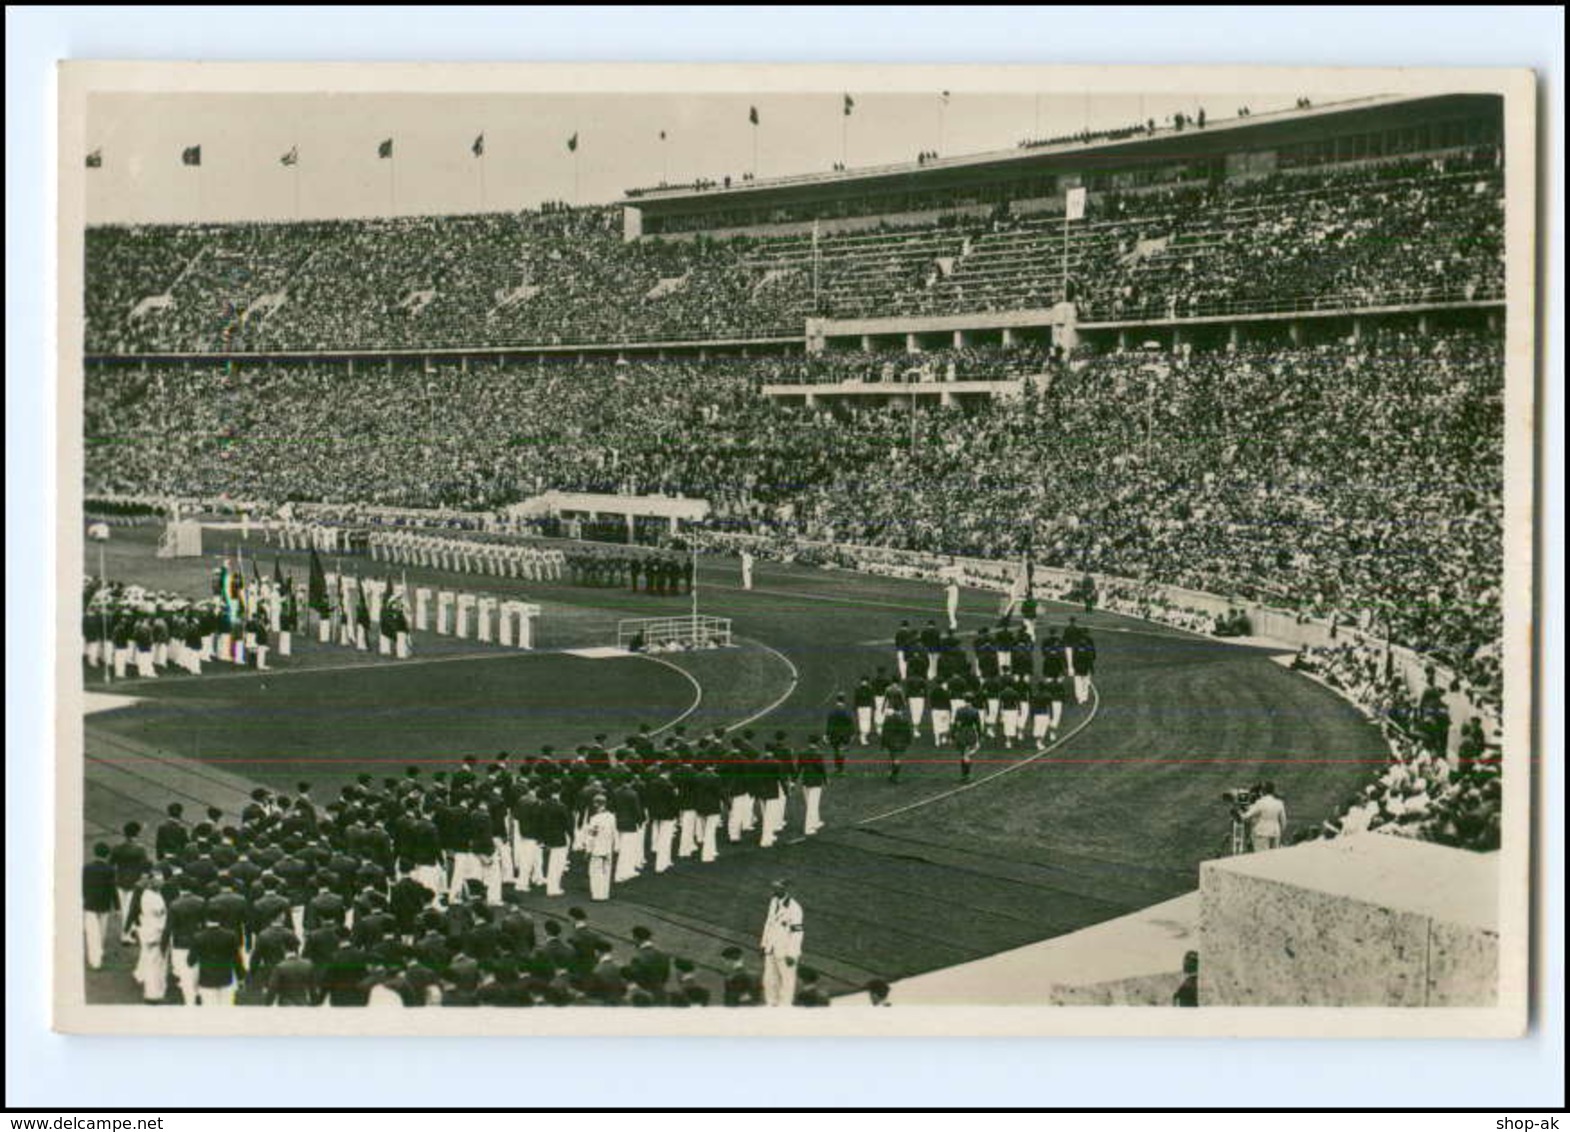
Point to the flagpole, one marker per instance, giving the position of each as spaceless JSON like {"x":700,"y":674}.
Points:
{"x":103,"y":616}
{"x":817,"y":304}
{"x":481,"y":158}
{"x":1065,"y":250}
{"x":294,"y":169}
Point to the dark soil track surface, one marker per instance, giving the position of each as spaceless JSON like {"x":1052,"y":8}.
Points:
{"x":905,"y":878}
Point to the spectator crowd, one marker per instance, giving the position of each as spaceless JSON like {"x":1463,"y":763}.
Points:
{"x":1179,"y":244}
{"x":1354,"y":481}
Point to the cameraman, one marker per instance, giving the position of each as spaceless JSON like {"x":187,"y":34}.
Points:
{"x":1267,"y":819}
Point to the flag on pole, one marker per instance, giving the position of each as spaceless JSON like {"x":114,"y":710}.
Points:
{"x":752,"y":115}
{"x":231,"y":588}
{"x":242,"y":596}
{"x":478,"y":148}
{"x":292,"y":157}
{"x":221,"y":588}
{"x":1074,"y":206}
{"x":257,"y":588}
{"x":316,"y":595}
{"x":850,"y":104}
{"x":384,"y":151}
{"x":572,"y":143}
{"x":945,"y":98}
{"x":191,"y":155}
{"x":95,"y":160}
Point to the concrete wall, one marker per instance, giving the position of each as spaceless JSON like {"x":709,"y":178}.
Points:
{"x":1138,"y":990}
{"x":1372,"y":920}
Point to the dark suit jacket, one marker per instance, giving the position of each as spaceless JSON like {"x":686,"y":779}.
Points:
{"x":651,"y":969}
{"x":215,"y":952}
{"x":343,"y":977}
{"x":293,"y":983}
{"x":98,"y":894}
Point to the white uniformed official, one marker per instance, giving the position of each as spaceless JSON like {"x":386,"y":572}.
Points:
{"x":781,"y":946}
{"x":600,"y":841}
{"x":951,"y":596}
{"x":746,"y":569}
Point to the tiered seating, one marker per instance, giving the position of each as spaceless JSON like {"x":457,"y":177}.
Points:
{"x":1412,"y":230}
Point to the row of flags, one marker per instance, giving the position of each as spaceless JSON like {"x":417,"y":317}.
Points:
{"x":192,"y":155}
{"x":239,"y":597}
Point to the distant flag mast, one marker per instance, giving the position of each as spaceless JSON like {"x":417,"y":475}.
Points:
{"x":849,"y":107}
{"x":384,"y":152}
{"x":665,"y":160}
{"x":95,"y":159}
{"x":752,"y":116}
{"x":191,"y":157}
{"x":572,"y":148}
{"x":291,"y":160}
{"x":478,"y":149}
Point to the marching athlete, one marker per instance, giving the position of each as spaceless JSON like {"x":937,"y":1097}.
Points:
{"x":931,"y":641}
{"x":942,"y":709}
{"x":1040,"y":714}
{"x":1008,"y":709}
{"x":896,"y":736}
{"x":904,"y":647}
{"x":864,"y":698}
{"x":839,"y":730}
{"x":916,"y":696}
{"x":967,"y":737}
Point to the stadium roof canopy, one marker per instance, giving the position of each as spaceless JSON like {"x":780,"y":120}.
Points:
{"x":1218,"y":137}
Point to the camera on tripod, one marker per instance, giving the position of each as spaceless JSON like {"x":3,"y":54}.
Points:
{"x":1240,"y":798}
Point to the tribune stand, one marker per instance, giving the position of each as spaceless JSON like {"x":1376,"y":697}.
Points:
{"x":665,"y":634}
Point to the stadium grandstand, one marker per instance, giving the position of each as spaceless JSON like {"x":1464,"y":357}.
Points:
{"x":1259,"y":358}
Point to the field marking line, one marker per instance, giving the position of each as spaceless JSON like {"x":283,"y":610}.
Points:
{"x":1095,"y":706}
{"x":795,"y":679}
{"x":498,"y":653}
{"x":691,"y":679}
{"x":941,"y":614}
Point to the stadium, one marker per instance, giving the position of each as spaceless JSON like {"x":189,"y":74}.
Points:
{"x":459,"y":519}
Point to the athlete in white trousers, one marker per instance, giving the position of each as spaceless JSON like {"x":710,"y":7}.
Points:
{"x":781,"y":946}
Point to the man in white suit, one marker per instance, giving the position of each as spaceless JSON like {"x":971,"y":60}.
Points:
{"x":781,"y":946}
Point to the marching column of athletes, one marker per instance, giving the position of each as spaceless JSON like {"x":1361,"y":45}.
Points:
{"x":466,"y":556}
{"x":300,"y":904}
{"x":626,"y":811}
{"x":993,"y":689}
{"x":641,"y":569}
